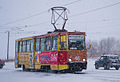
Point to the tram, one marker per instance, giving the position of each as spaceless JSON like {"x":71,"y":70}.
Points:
{"x":58,"y":51}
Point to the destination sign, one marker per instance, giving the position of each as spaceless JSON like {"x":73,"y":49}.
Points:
{"x":76,"y":37}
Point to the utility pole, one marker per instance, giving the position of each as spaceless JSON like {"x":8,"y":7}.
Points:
{"x":8,"y":45}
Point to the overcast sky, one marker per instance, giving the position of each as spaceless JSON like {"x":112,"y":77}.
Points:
{"x":23,"y":18}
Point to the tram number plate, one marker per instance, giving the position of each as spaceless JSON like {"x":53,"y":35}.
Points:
{"x":77,"y":58}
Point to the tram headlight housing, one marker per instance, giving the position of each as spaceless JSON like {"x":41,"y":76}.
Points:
{"x":70,"y":60}
{"x":83,"y":59}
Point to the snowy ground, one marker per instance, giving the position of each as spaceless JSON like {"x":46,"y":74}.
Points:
{"x":10,"y":74}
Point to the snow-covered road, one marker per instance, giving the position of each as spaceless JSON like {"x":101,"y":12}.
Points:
{"x":10,"y":74}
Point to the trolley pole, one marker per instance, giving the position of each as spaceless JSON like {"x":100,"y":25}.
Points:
{"x":8,"y":45}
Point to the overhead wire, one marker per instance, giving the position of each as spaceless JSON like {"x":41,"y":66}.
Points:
{"x":71,"y":2}
{"x":99,"y":20}
{"x":89,"y":21}
{"x":86,"y":12}
{"x":64,"y":5}
{"x":25,"y":18}
{"x":96,"y":9}
{"x":37,"y":14}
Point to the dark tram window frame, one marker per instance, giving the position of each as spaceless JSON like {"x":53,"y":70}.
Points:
{"x":37,"y":44}
{"x":48,"y":43}
{"x":54,"y":43}
{"x":24,"y":46}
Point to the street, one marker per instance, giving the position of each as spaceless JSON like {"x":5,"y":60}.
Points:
{"x":10,"y":74}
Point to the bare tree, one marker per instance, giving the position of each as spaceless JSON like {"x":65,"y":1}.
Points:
{"x":106,"y":45}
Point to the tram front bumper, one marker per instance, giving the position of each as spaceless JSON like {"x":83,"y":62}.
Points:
{"x":78,"y":66}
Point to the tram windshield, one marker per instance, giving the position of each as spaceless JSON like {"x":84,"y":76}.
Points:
{"x":76,"y":42}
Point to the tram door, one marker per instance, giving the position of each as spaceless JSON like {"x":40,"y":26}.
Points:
{"x":31,"y":54}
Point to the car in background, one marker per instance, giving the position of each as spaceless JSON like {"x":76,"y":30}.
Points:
{"x":108,"y":61}
{"x":2,"y":63}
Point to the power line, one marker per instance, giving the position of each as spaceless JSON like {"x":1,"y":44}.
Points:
{"x":37,"y":24}
{"x":71,"y":3}
{"x":97,"y":9}
{"x":22,"y":19}
{"x":19,"y":28}
{"x":86,"y":12}
{"x":91,"y":21}
{"x":100,"y":20}
{"x":37,"y":14}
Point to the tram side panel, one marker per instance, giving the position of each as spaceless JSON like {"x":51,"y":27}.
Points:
{"x":49,"y":58}
{"x":57,"y":60}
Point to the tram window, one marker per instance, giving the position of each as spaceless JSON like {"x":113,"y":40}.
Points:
{"x":37,"y":45}
{"x":42,"y":44}
{"x":48,"y":43}
{"x":28,"y":45}
{"x":63,"y":43}
{"x":20,"y":47}
{"x":54,"y":43}
{"x":16,"y":46}
{"x":31,"y":45}
{"x":24,"y":46}
{"x":76,"y":42}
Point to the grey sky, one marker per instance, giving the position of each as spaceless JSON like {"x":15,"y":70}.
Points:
{"x":97,"y":24}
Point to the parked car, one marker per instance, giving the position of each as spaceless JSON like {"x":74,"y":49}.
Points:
{"x":108,"y":61}
{"x":2,"y":63}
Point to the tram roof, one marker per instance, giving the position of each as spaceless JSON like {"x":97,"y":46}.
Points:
{"x":60,"y":33}
{"x":26,"y":38}
{"x":53,"y":34}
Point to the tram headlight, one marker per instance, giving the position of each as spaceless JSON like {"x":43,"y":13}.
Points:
{"x":70,"y":60}
{"x":83,"y":59}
